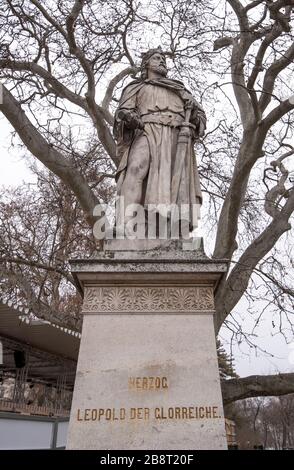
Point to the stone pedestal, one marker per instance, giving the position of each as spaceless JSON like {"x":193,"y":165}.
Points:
{"x":147,"y":375}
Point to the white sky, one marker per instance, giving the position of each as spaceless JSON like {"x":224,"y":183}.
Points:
{"x":248,"y":361}
{"x":13,"y":171}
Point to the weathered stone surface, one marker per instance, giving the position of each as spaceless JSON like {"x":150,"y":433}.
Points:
{"x":172,"y":265}
{"x":176,"y":247}
{"x":115,"y":349}
{"x":147,"y":374}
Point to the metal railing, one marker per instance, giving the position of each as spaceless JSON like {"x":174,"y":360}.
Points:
{"x":22,"y":408}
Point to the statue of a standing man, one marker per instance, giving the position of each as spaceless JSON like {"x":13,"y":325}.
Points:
{"x":157,"y":160}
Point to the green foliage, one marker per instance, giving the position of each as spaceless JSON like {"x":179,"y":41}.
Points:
{"x":225,"y":363}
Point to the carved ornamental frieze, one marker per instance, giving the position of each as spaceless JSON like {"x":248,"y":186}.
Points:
{"x":148,"y":299}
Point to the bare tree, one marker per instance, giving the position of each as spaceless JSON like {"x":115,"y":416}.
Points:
{"x":41,"y":227}
{"x":63,"y":65}
{"x":266,"y":422}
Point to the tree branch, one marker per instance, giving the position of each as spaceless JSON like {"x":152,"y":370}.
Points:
{"x":241,"y":14}
{"x":48,"y":17}
{"x":40,"y":309}
{"x":241,"y":45}
{"x":279,"y":190}
{"x":249,"y":152}
{"x":271,"y":75}
{"x":232,"y":290}
{"x":77,"y":51}
{"x":224,"y":41}
{"x":253,"y":5}
{"x":258,"y":67}
{"x":257,"y":386}
{"x":97,"y":113}
{"x":286,"y":290}
{"x":46,"y":154}
{"x":55,"y":85}
{"x":278,"y":112}
{"x":113,"y":83}
{"x":45,"y":267}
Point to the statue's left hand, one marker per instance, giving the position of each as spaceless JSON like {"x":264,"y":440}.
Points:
{"x":201,"y":129}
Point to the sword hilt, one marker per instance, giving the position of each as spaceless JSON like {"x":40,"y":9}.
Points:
{"x":186,"y":124}
{"x":188,"y":113}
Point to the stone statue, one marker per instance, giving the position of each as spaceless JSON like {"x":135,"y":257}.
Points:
{"x":156,"y":125}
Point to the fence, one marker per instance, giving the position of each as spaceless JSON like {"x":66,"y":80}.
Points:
{"x":11,"y":406}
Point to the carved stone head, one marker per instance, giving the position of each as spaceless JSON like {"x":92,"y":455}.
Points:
{"x":154,"y":59}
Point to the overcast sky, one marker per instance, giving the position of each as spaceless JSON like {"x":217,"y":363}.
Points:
{"x":13,"y":171}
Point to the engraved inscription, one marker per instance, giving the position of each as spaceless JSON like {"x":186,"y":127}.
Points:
{"x":148,"y":299}
{"x":147,"y":383}
{"x":159,"y":413}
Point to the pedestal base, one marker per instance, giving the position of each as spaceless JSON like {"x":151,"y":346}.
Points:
{"x":147,"y":375}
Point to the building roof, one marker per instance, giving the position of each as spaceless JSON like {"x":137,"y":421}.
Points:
{"x":49,"y":347}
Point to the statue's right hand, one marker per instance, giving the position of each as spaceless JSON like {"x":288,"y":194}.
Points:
{"x":135,"y":122}
{"x":140,"y":124}
{"x":131,"y":119}
{"x":124,"y":115}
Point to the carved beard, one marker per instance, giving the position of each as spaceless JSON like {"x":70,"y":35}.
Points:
{"x":161,"y":69}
